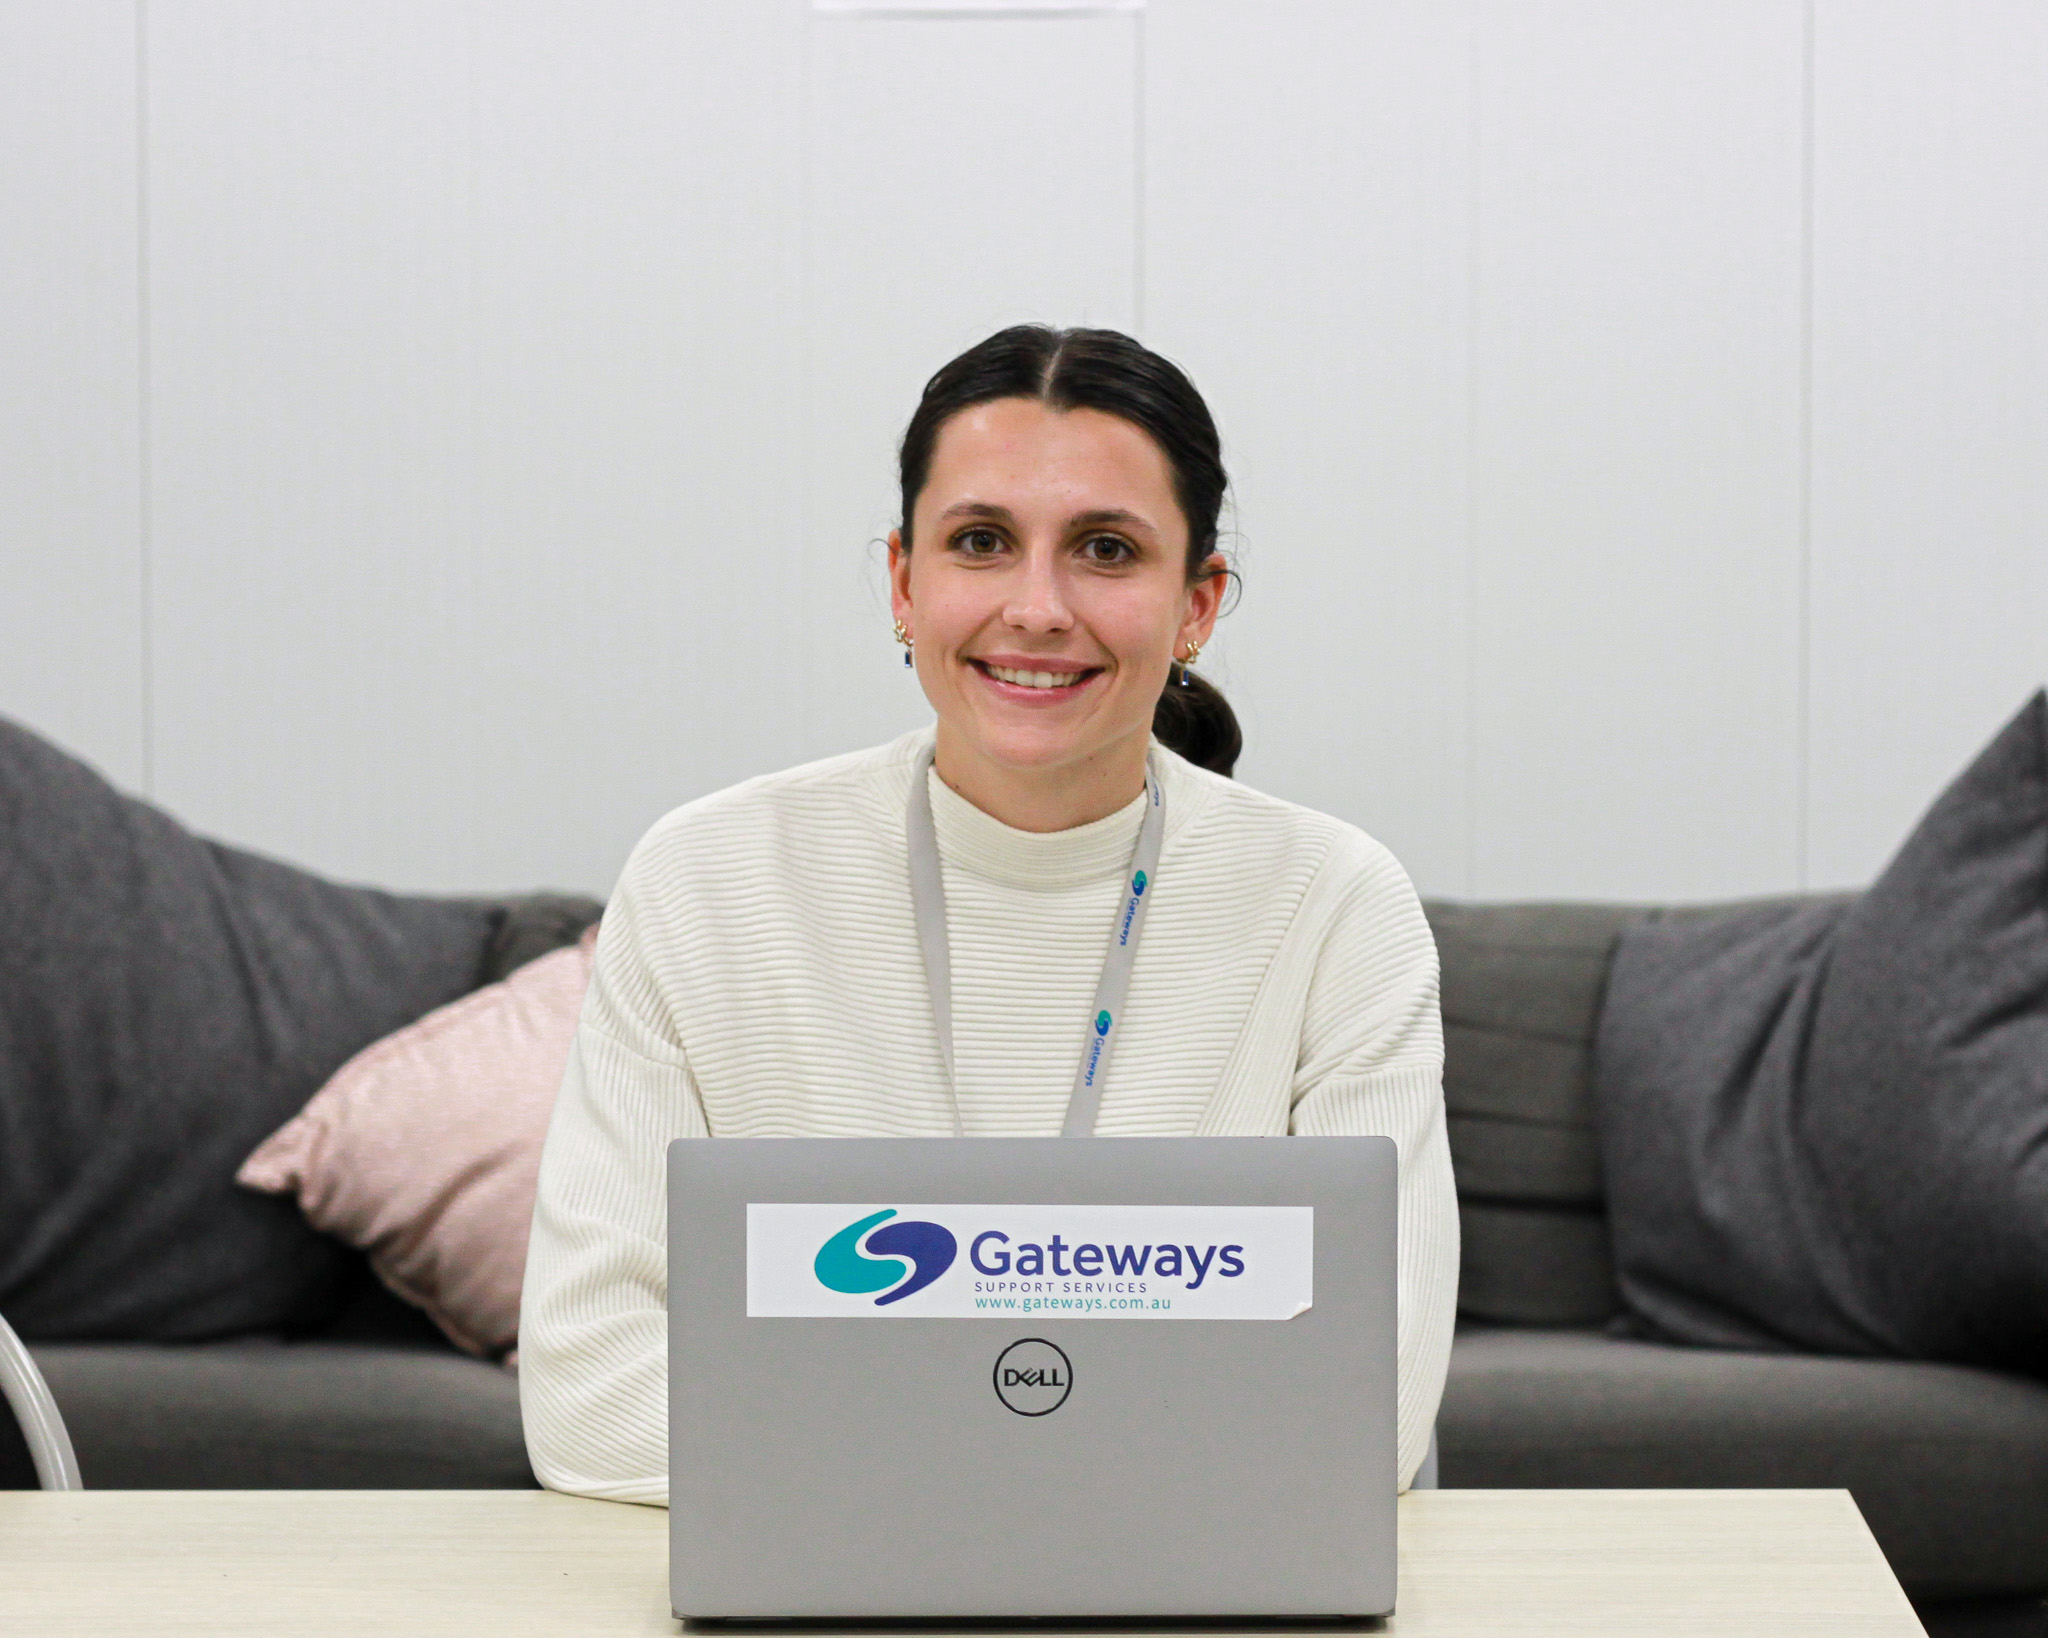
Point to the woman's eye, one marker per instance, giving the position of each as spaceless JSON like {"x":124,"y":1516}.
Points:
{"x":1107,"y":549}
{"x":978,"y":542}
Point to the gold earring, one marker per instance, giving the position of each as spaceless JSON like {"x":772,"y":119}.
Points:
{"x":1194,"y":652}
{"x":903,"y":637}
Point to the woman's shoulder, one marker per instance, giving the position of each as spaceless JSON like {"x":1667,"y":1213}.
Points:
{"x":1338,"y":887}
{"x":855,"y":792}
{"x":1252,"y":825}
{"x":811,"y":784}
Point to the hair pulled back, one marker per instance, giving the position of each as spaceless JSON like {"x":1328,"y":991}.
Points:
{"x":1103,"y":370}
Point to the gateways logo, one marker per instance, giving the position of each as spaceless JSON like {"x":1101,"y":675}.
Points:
{"x":842,"y":1265}
{"x":931,"y":1260}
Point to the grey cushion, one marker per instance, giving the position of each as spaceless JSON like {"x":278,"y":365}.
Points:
{"x":268,"y":1415}
{"x":1534,"y":1265}
{"x":1948,"y":1463}
{"x":1825,"y":1125}
{"x":165,"y":1004}
{"x":529,"y":926}
{"x":1522,"y":987}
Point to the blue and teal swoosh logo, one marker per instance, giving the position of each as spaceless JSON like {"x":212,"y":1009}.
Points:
{"x":921,"y":1251}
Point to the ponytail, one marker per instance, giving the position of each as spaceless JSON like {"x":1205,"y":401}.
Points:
{"x":1195,"y":720}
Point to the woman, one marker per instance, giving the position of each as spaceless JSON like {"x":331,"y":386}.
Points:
{"x":760,"y":972}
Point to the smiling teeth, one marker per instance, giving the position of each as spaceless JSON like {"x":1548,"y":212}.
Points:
{"x":1033,"y":679}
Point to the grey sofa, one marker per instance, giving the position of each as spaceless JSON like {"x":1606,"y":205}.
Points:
{"x":1547,"y":1389}
{"x":1950,"y":1465}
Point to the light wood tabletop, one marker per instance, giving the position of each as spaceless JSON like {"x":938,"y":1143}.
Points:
{"x":498,"y":1563}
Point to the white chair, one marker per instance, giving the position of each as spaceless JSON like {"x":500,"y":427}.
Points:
{"x":49,"y":1444}
{"x":1425,"y":1475}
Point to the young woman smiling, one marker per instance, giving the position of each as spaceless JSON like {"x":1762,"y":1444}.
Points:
{"x":907,"y":941}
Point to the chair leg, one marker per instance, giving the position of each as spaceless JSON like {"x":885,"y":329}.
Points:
{"x":49,"y":1443}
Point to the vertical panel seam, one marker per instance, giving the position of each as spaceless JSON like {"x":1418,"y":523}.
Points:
{"x":480,"y":804}
{"x":1470,"y":708}
{"x":1803,"y":824}
{"x":805,"y":291}
{"x":144,"y":477}
{"x":1138,"y":136}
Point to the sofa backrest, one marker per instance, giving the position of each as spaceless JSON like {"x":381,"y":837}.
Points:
{"x":1522,"y":988}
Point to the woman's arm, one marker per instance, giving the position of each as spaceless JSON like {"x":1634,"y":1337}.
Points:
{"x":593,"y":1334}
{"x":1372,"y":1059}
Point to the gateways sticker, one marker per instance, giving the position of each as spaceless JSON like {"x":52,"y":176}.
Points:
{"x":900,"y":1261}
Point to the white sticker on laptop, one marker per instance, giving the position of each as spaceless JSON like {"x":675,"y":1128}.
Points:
{"x":886,"y":1261}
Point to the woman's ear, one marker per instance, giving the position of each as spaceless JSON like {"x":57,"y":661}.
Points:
{"x":899,"y":577}
{"x":1205,"y":600}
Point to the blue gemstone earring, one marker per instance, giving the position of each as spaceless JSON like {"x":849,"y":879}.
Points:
{"x":903,"y":637}
{"x":1194,"y":654}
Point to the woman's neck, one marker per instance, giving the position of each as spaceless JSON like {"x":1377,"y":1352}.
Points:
{"x":1044,"y":799}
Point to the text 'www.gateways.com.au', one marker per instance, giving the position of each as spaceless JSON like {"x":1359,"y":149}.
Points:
{"x":1033,"y":1305}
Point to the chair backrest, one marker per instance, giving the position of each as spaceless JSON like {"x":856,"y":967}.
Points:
{"x":49,"y":1442}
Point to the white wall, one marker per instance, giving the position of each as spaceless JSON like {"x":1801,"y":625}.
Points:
{"x":73,"y":646}
{"x":1930,"y":404}
{"x":436,"y":436}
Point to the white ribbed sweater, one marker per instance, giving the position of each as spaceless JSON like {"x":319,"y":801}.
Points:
{"x":758,"y":975}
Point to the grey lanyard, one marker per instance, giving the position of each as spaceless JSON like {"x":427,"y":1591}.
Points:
{"x":1105,"y":1017}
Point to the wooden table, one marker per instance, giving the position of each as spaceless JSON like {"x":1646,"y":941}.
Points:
{"x":494,"y":1563}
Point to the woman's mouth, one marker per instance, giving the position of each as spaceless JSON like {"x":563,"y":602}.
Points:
{"x":1033,"y":683}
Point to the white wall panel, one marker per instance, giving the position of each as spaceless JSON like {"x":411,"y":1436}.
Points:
{"x":71,"y":566}
{"x":1308,"y":230}
{"x":639,"y":370}
{"x":471,"y":359}
{"x":522,"y":384}
{"x":1930,"y":433}
{"x":961,"y":174}
{"x":1637,"y":325}
{"x":311,"y":256}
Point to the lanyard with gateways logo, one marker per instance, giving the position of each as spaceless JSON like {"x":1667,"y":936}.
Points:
{"x":928,"y":898}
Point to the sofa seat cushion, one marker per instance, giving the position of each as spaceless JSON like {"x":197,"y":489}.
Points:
{"x":267,"y":1415}
{"x":1948,"y":1463}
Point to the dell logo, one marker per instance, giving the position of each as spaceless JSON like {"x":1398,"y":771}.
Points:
{"x":1033,"y":1377}
{"x":1014,"y":1378}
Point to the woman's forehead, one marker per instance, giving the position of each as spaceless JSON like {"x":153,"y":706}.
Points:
{"x":1020,"y":455}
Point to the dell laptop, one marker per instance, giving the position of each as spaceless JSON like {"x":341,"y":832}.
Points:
{"x":1139,"y":1378}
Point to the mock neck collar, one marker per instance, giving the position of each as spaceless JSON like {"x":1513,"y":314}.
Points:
{"x":972,"y":840}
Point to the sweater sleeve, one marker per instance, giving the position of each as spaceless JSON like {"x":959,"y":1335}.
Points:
{"x":593,"y":1336}
{"x":1371,"y":1064}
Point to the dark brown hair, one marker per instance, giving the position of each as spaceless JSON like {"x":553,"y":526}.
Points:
{"x":1103,"y":370}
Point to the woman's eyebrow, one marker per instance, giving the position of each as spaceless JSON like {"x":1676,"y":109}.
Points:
{"x":1107,"y":516}
{"x":1101,"y":517}
{"x":978,"y":509}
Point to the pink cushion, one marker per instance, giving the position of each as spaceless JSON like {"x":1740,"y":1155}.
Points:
{"x":424,"y":1148}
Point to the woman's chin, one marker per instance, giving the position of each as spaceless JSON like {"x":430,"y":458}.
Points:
{"x":1039,"y":744}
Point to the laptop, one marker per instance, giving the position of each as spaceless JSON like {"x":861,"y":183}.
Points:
{"x":989,"y":1379}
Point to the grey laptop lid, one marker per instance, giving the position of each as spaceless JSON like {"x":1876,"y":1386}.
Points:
{"x":921,"y":1417}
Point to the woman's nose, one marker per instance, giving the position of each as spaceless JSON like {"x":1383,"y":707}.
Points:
{"x":1038,"y":600}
